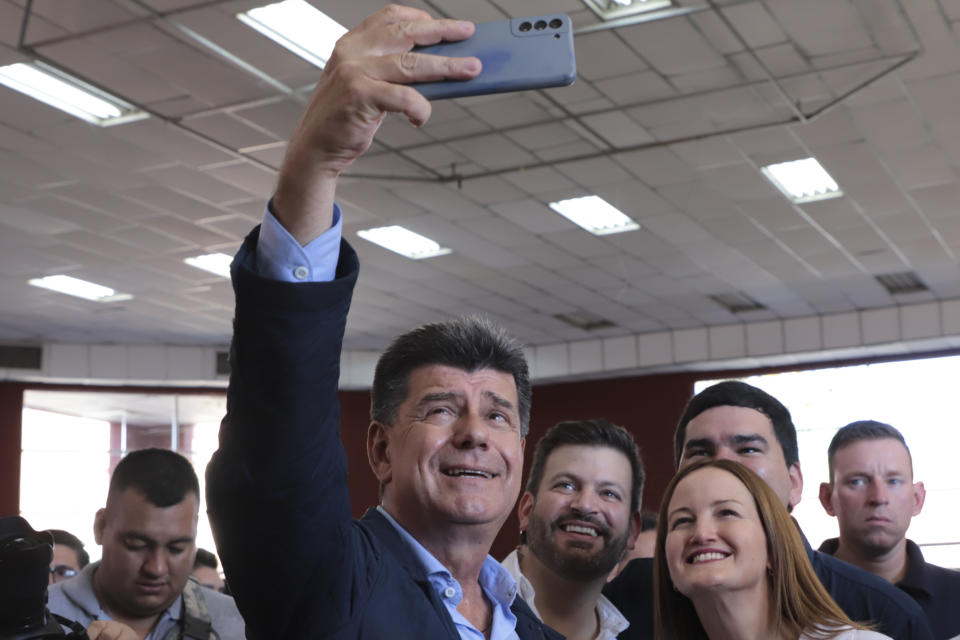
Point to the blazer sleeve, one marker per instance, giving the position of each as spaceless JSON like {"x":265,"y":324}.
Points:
{"x":277,"y":491}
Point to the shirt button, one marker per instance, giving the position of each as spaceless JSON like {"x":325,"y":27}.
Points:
{"x":449,"y":592}
{"x":301,"y":273}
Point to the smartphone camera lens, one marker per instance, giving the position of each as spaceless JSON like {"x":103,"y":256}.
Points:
{"x":525,"y":26}
{"x":556,"y":23}
{"x":540,"y":25}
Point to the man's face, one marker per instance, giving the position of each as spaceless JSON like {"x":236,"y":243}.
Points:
{"x":454,"y":454}
{"x":873,"y":494}
{"x":579,"y":523}
{"x":64,"y":561}
{"x":148,"y":553}
{"x":208,"y":577}
{"x":746,"y":436}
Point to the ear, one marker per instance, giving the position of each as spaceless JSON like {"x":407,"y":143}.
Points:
{"x":378,"y":451}
{"x":634,"y":531}
{"x":919,"y":495}
{"x":796,"y":485}
{"x":99,"y":524}
{"x":524,"y":508}
{"x":826,"y":498}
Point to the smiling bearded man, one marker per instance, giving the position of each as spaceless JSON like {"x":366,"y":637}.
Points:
{"x":578,"y":516}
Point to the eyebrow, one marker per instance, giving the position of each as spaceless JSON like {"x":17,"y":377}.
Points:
{"x":712,"y":504}
{"x":740,"y":438}
{"x":145,"y":538}
{"x":498,"y":400}
{"x":441,"y":396}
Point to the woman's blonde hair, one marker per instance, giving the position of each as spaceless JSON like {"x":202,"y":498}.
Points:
{"x":798,"y":601}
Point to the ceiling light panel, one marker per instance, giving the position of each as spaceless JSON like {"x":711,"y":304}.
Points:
{"x":79,"y":288}
{"x":216,"y":263}
{"x":60,"y":90}
{"x":595,"y":214}
{"x":614,"y":9}
{"x":403,"y":241}
{"x":802,"y":180}
{"x":297,"y":26}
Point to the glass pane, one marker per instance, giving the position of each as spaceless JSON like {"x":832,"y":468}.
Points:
{"x":910,"y":395}
{"x":81,"y":436}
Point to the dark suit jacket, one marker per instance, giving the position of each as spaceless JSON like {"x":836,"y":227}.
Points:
{"x":297,"y":563}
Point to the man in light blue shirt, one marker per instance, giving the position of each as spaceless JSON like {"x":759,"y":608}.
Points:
{"x":450,"y":402}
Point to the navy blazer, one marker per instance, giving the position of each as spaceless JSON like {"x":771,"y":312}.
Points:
{"x":298,"y":565}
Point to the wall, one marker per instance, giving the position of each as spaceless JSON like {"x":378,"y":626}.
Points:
{"x":647,"y":405}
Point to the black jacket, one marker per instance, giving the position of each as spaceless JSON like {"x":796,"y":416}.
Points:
{"x":299,"y":566}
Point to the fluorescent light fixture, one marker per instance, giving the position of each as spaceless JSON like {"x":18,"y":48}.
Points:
{"x":298,"y":26}
{"x":594,"y":214}
{"x":61,"y":90}
{"x":614,"y":9}
{"x":403,"y":241}
{"x":215,"y":263}
{"x":802,"y":180}
{"x":80,"y":288}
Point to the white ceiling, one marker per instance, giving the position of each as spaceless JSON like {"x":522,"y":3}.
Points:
{"x":669,"y":120}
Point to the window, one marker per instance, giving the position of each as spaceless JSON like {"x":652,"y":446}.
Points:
{"x":72,"y":441}
{"x":915,"y":396}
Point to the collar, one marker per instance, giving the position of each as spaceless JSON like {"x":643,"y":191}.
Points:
{"x":611,"y":620}
{"x":811,"y":554}
{"x":916,"y":578}
{"x":79,"y":589}
{"x":494,"y":579}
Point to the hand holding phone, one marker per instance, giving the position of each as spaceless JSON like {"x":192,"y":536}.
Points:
{"x":517,"y":54}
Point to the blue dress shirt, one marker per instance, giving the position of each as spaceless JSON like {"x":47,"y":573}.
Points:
{"x":280,"y":256}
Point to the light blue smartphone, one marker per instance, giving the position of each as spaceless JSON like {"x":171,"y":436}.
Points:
{"x":517,"y":54}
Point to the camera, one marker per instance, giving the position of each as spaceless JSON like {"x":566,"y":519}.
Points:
{"x":25,"y":557}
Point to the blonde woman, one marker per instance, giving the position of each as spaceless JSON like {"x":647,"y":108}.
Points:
{"x":730,"y":563}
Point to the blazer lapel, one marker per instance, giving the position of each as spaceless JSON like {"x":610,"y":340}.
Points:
{"x":393,"y":545}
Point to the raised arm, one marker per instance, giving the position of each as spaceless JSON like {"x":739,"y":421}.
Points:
{"x":363,"y":81}
{"x":277,"y":487}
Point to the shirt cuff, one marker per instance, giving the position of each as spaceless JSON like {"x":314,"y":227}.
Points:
{"x":281,"y":257}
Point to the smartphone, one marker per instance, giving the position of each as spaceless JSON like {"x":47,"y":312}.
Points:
{"x":517,"y":54}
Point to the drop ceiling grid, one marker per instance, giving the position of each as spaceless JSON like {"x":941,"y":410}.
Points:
{"x":687,"y":191}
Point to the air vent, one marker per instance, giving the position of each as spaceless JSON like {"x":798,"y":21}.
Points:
{"x":737,"y":302}
{"x":903,"y":282}
{"x":223,"y":363}
{"x":584,"y":320}
{"x":12,"y":357}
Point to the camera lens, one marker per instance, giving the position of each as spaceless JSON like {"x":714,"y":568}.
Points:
{"x":556,"y":23}
{"x":540,"y":25}
{"x":525,"y":26}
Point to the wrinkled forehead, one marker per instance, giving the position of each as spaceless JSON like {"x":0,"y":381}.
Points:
{"x":724,"y":423}
{"x":709,"y":486}
{"x":591,"y":461}
{"x":888,"y":453}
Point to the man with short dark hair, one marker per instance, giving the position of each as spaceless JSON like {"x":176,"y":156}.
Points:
{"x":737,"y":421}
{"x":206,"y":570}
{"x":579,"y":514}
{"x":69,"y":556}
{"x":450,"y":401}
{"x":148,"y":533}
{"x":873,"y":496}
